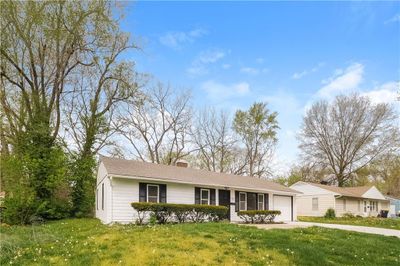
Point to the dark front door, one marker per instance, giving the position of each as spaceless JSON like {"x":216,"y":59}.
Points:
{"x":224,"y":199}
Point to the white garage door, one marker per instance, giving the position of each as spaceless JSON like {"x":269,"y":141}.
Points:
{"x":283,"y":204}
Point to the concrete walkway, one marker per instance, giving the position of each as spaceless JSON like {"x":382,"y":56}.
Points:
{"x":361,"y":229}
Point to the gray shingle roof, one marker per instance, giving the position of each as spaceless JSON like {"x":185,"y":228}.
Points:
{"x":121,"y":167}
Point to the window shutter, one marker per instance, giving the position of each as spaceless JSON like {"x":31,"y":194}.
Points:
{"x":196,"y":195}
{"x":236,"y":201}
{"x":266,"y":201}
{"x":142,"y":192}
{"x":163,"y":193}
{"x":212,"y":196}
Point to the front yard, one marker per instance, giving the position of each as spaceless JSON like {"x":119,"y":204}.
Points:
{"x":88,"y":242}
{"x":370,"y":221}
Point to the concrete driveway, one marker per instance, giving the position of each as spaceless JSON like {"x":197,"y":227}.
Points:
{"x":361,"y":229}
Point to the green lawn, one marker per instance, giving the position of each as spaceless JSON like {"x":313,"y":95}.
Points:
{"x":370,"y":221}
{"x":88,"y":242}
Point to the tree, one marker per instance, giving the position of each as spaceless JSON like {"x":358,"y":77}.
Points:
{"x":213,"y":140}
{"x":90,"y":111}
{"x":348,"y":134}
{"x":256,"y":128}
{"x":383,"y":173}
{"x":44,"y":45}
{"x":157,"y":125}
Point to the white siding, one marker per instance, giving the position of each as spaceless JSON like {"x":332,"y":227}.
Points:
{"x":126,"y":191}
{"x":373,"y":193}
{"x":103,"y":214}
{"x":304,"y":205}
{"x":309,"y":189}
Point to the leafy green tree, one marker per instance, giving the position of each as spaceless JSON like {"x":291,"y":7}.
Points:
{"x":45,"y":46}
{"x":257,"y":128}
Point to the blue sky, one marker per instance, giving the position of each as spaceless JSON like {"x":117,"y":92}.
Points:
{"x":289,"y":54}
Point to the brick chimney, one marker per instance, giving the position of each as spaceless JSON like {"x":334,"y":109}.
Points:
{"x":182,"y":163}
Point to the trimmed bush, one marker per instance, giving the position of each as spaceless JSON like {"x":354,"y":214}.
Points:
{"x":258,"y":217}
{"x":330,"y":213}
{"x":348,"y":215}
{"x":166,"y":212}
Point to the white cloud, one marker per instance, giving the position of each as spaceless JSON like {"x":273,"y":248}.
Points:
{"x":218,"y":91}
{"x":386,"y":93}
{"x":253,"y":71}
{"x":394,"y":19}
{"x":176,"y":39}
{"x":260,"y":60}
{"x":201,"y":63}
{"x":342,"y":81}
{"x":299,"y":75}
{"x":210,"y":56}
{"x":226,"y":66}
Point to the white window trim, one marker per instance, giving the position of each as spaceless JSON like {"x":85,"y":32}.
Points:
{"x":312,"y":204}
{"x":201,"y":196}
{"x":258,"y":201}
{"x":147,"y":192}
{"x":245,"y":201}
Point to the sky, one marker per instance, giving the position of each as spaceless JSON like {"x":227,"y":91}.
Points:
{"x":288,"y":54}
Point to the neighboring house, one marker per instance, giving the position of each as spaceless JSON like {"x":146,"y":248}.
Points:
{"x":121,"y":182}
{"x":317,"y":198}
{"x":394,"y":206}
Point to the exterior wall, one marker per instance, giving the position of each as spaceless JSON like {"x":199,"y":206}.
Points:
{"x":352,"y":207}
{"x":373,"y":193}
{"x":103,"y":214}
{"x":236,"y":218}
{"x":309,"y":189}
{"x":125,"y":191}
{"x":304,"y":204}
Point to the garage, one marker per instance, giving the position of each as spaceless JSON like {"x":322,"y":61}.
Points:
{"x":283,"y":204}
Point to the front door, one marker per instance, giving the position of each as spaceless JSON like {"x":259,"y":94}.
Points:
{"x":224,"y":199}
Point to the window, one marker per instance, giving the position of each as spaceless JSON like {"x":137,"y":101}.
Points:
{"x":261,"y":201}
{"x":242,"y":201}
{"x":205,"y":196}
{"x":315,"y":204}
{"x":102,"y":196}
{"x":365,"y":206}
{"x":97,"y":198}
{"x":152,"y":193}
{"x":359,"y":206}
{"x":344,"y":204}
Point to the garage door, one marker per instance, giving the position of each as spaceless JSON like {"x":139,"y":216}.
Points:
{"x":283,"y":204}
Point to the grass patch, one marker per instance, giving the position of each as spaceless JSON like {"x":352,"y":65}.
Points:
{"x":368,"y":221}
{"x":87,"y":241}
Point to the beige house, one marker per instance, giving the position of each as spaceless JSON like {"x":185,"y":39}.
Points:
{"x":317,"y":199}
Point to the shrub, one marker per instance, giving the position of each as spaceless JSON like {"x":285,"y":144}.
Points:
{"x":348,"y":215}
{"x":258,"y":217}
{"x":330,"y":213}
{"x":164,"y":212}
